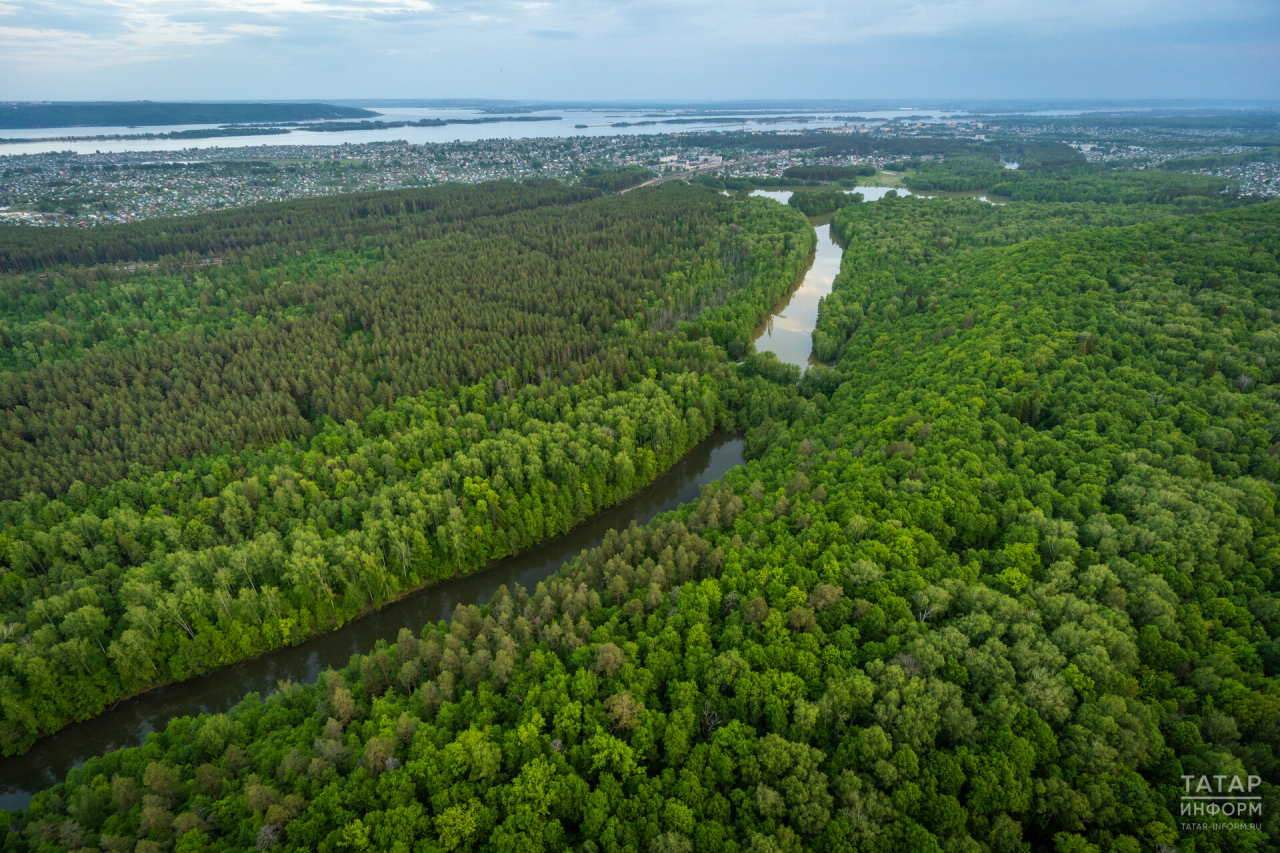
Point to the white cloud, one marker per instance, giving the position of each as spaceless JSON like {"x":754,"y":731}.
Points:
{"x":854,"y":21}
{"x":65,"y":48}
{"x":149,"y":30}
{"x":73,"y":34}
{"x":137,"y":35}
{"x":252,"y":30}
{"x":343,"y":8}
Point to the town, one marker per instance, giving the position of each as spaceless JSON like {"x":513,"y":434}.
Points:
{"x":66,"y":189}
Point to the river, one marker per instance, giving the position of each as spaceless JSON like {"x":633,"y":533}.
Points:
{"x":786,"y":333}
{"x":788,"y":330}
{"x":129,"y":722}
{"x":570,"y":122}
{"x":581,"y":122}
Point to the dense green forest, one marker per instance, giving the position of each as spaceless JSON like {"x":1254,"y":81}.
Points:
{"x":997,"y":579}
{"x":955,"y":174}
{"x":828,"y":173}
{"x":356,"y":220}
{"x":259,"y":460}
{"x":822,"y":202}
{"x":1038,"y":156}
{"x":1193,"y":192}
{"x":413,"y":316}
{"x":161,"y":578}
{"x":1048,"y":175}
{"x":106,"y":114}
{"x":881,"y":239}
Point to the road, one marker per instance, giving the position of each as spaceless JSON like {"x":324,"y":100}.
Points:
{"x":710,"y":167}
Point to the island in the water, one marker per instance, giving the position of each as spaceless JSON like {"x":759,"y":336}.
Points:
{"x":151,"y":113}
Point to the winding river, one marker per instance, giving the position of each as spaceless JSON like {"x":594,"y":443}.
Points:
{"x":786,"y":333}
{"x":130,"y":721}
{"x":788,"y":330}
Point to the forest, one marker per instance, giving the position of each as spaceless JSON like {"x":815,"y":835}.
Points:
{"x":822,"y":202}
{"x":615,"y":180}
{"x":211,"y":358}
{"x":356,"y":220}
{"x":260,"y":464}
{"x":828,"y":173}
{"x":1049,"y":175}
{"x":997,"y":577}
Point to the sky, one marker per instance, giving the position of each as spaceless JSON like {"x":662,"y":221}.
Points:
{"x":638,"y":49}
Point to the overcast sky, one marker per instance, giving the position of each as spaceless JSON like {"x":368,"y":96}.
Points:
{"x":671,"y":49}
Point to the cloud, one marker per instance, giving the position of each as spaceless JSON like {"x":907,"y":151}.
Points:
{"x":337,"y":8}
{"x":853,"y":21}
{"x":661,"y":43}
{"x":951,"y":17}
{"x":252,"y":30}
{"x":138,"y":35}
{"x":120,"y":32}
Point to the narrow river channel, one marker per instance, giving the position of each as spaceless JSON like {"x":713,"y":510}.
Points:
{"x":786,"y":333}
{"x":129,"y":722}
{"x":788,"y":330}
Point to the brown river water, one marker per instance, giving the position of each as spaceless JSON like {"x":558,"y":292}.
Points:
{"x":786,"y":333}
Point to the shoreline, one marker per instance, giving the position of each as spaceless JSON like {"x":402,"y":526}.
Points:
{"x":369,"y":610}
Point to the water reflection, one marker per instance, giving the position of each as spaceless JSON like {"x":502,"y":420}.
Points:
{"x":129,"y":722}
{"x":788,"y":330}
{"x":868,"y":193}
{"x":978,"y":195}
{"x":877,"y":193}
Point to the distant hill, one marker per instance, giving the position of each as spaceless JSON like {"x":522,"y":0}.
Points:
{"x":147,"y":113}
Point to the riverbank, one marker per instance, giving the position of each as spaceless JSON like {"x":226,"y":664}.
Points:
{"x":129,"y":722}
